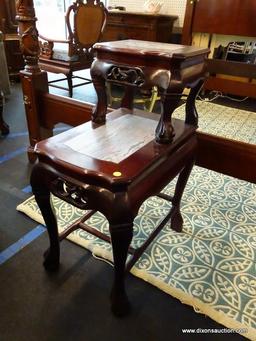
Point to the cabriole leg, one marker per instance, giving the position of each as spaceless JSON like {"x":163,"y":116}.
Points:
{"x":40,"y":188}
{"x":121,"y":236}
{"x":191,"y":112}
{"x":98,"y":75}
{"x":128,"y":98}
{"x":176,"y":218}
{"x":170,"y":100}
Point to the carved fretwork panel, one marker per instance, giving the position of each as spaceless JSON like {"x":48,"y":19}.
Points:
{"x":71,"y":193}
{"x":126,"y":75}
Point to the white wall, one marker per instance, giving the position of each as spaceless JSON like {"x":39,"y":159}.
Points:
{"x":175,"y":7}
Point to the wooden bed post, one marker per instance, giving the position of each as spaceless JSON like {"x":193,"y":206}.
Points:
{"x":33,"y":79}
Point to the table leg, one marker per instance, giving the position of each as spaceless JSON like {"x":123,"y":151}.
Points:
{"x":170,"y":100}
{"x":191,"y":112}
{"x":176,"y":219}
{"x":121,"y":236}
{"x":98,"y":78}
{"x":40,"y":188}
{"x":70,"y":84}
{"x":120,"y":217}
{"x":128,"y":98}
{"x":3,"y":126}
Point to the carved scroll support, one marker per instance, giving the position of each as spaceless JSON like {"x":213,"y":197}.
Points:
{"x":28,"y":34}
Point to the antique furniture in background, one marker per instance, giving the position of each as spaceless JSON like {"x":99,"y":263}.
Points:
{"x":141,"y":26}
{"x":225,"y":17}
{"x":85,"y":23}
{"x":4,"y":86}
{"x":210,"y":16}
{"x":8,"y":26}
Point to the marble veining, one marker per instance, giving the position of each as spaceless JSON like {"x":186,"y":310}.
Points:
{"x":116,"y":140}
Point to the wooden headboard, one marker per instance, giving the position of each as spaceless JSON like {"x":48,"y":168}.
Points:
{"x":232,"y":17}
{"x":217,"y":20}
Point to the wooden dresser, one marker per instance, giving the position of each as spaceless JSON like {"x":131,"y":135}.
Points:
{"x":141,"y":26}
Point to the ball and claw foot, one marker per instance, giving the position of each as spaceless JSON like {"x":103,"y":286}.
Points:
{"x":51,"y":261}
{"x":176,"y":220}
{"x":120,"y":305}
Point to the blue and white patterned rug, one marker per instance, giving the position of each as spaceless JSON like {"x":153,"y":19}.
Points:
{"x":211,"y":265}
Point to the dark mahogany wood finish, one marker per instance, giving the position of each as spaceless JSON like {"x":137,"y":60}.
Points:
{"x":116,"y":188}
{"x":80,"y":165}
{"x":231,"y":157}
{"x":210,"y":16}
{"x":136,"y":63}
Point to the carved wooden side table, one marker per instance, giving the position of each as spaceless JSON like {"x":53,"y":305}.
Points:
{"x":112,"y":165}
{"x":143,"y":64}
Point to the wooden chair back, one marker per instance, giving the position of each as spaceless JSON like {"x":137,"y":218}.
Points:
{"x":85,"y":23}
